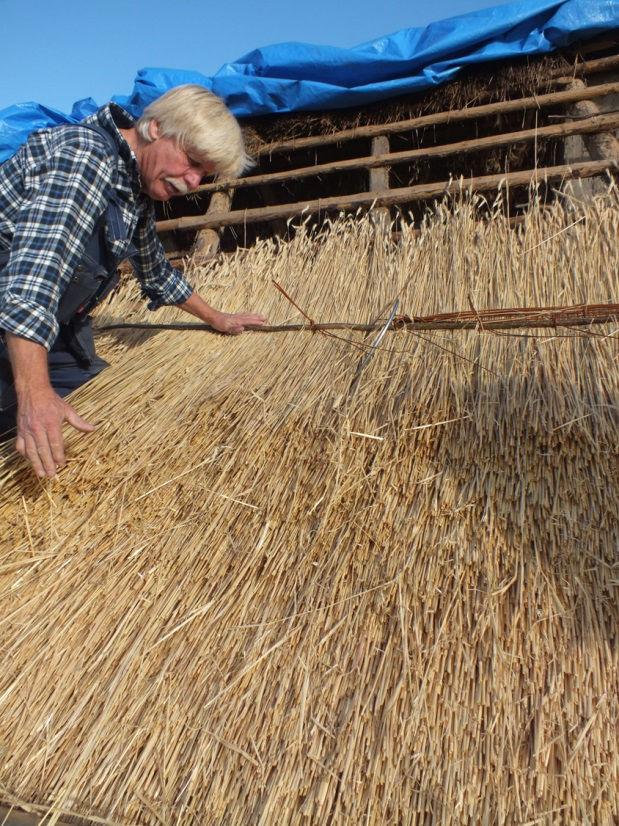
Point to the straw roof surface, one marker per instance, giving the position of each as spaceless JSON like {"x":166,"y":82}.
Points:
{"x":258,"y":596}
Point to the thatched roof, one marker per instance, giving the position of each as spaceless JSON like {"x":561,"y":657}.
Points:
{"x":495,"y":120}
{"x":488,"y":83}
{"x":254,"y":596}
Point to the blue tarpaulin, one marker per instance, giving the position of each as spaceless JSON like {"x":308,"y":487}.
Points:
{"x":292,"y":77}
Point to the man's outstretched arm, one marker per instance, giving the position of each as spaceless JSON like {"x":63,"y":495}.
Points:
{"x":230,"y":323}
{"x":40,"y":410}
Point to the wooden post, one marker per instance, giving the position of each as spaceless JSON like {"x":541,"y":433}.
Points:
{"x":379,"y":180}
{"x":598,"y":146}
{"x":206,"y":244}
{"x":602,"y":145}
{"x":279,"y":226}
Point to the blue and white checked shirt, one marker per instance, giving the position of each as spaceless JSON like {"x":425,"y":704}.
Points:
{"x":52,"y":192}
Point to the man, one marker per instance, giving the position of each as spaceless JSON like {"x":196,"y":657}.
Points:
{"x":75,"y":200}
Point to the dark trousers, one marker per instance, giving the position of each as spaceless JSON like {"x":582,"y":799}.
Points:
{"x":65,"y":371}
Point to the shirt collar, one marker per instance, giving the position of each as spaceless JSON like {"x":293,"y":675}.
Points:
{"x":113,"y":118}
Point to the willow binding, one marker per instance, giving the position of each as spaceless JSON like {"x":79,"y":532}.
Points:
{"x":253,"y":597}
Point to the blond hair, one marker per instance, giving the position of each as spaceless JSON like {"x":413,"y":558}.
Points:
{"x":201,"y":124}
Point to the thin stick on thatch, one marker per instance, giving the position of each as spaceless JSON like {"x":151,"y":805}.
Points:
{"x":546,"y":240}
{"x":495,"y":319}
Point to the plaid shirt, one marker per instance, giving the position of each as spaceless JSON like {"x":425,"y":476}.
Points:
{"x":52,"y":192}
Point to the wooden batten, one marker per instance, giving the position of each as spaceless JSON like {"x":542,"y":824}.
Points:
{"x":392,"y":197}
{"x":381,"y":158}
{"x":452,"y":116}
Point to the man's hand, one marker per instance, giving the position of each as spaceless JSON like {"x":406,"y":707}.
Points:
{"x":229,"y":323}
{"x":40,"y":410}
{"x":235,"y":323}
{"x":40,"y":416}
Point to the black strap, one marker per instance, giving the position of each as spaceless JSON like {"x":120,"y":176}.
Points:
{"x":96,"y":275}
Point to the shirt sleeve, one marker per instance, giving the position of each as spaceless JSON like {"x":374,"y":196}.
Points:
{"x":160,"y":282}
{"x":64,"y":195}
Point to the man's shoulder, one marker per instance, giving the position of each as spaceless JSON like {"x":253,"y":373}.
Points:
{"x":84,"y":137}
{"x":69,"y":148}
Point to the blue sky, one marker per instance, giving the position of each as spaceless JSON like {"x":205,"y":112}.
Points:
{"x":58,"y":51}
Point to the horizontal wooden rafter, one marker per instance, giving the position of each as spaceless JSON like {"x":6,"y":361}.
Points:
{"x":450,"y":116}
{"x":597,"y":123}
{"x":392,"y":197}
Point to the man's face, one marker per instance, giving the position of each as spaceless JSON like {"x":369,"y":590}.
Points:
{"x":166,"y":170}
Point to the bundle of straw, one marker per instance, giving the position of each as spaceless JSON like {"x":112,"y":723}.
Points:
{"x":273,"y":588}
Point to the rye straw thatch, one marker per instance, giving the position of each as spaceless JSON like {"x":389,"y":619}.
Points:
{"x":255,"y":598}
{"x":485,"y":83}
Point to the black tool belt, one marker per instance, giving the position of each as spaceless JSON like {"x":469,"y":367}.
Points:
{"x":89,"y":285}
{"x":92,"y":280}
